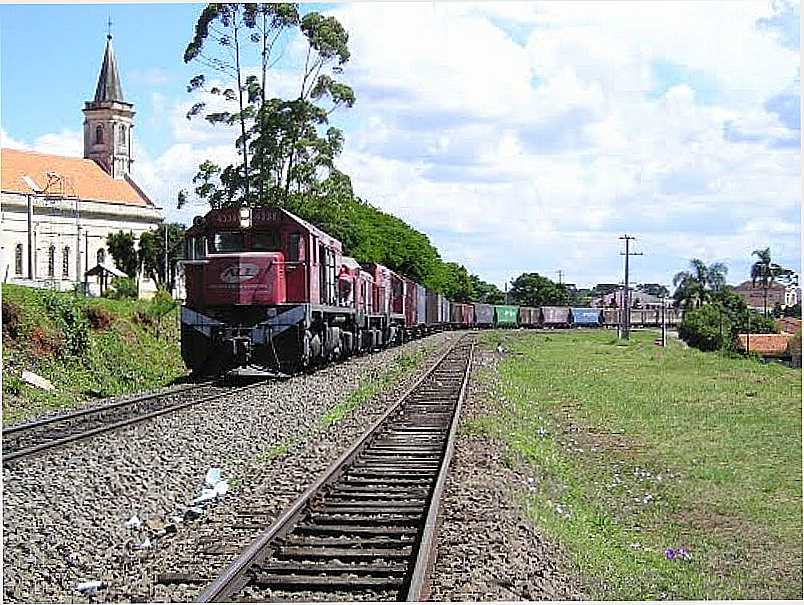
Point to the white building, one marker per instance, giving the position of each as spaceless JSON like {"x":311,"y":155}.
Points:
{"x":57,"y":211}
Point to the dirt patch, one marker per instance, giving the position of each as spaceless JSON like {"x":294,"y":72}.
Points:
{"x":45,"y":344}
{"x":12,"y":319}
{"x":98,"y":317}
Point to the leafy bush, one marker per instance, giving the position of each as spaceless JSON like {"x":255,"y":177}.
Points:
{"x":67,"y":311}
{"x":123,"y":287}
{"x":794,"y":346}
{"x":12,"y":384}
{"x":707,"y":328}
{"x":715,"y":326}
{"x":161,"y":305}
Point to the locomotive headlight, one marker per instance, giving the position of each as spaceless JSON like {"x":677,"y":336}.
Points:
{"x":245,"y":218}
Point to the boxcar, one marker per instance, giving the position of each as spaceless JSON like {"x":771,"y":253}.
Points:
{"x":444,"y":305}
{"x":484,"y":315}
{"x":585,"y":317}
{"x":461,"y":315}
{"x":421,"y":305}
{"x":433,"y":309}
{"x":555,"y":317}
{"x":410,"y":305}
{"x":506,"y":316}
{"x":528,"y":317}
{"x":611,"y":317}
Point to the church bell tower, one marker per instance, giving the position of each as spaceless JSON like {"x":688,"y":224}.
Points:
{"x":108,"y":121}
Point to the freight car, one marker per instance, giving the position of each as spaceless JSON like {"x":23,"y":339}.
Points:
{"x":585,"y":317}
{"x":484,"y":315}
{"x":555,"y":317}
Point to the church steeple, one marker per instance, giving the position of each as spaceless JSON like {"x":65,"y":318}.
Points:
{"x":108,"y":88}
{"x":108,"y":120}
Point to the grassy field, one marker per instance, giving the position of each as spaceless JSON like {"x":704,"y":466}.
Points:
{"x":636,"y":450}
{"x":86,"y":347}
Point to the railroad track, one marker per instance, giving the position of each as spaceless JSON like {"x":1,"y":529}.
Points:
{"x":31,"y":438}
{"x":364,"y":530}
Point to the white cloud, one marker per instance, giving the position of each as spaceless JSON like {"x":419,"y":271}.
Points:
{"x":528,"y":136}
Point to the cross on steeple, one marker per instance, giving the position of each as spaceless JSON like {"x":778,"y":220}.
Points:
{"x":109,"y":28}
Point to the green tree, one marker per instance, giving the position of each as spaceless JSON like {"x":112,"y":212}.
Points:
{"x":152,"y":253}
{"x":766,"y":272}
{"x":284,"y":145}
{"x":657,"y":290}
{"x":534,"y":290}
{"x":694,"y":288}
{"x":485,"y":292}
{"x":121,"y":247}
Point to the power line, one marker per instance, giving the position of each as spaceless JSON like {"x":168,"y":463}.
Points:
{"x":625,"y":315}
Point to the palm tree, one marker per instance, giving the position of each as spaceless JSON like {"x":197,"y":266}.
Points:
{"x":693,"y":288}
{"x":766,"y":273}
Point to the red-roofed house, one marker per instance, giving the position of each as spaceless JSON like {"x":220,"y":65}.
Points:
{"x":57,"y":211}
{"x":766,"y":345}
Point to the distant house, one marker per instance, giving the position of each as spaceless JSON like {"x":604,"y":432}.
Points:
{"x":754,"y":295}
{"x":766,"y":345}
{"x":639,"y":300}
{"x":788,"y":325}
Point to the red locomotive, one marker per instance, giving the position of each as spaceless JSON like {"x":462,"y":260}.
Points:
{"x":268,"y":289}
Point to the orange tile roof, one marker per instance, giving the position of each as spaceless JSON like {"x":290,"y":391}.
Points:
{"x":86,"y":179}
{"x":767,"y":345}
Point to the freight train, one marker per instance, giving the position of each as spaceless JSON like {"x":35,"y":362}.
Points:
{"x":267,"y":289}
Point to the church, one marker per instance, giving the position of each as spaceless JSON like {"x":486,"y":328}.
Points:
{"x":57,"y":211}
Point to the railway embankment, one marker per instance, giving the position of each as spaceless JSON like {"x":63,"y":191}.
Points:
{"x":85,"y":348}
{"x":117,"y":509}
{"x":651,"y":473}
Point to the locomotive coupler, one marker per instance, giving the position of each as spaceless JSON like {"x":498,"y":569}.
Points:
{"x":239,"y":349}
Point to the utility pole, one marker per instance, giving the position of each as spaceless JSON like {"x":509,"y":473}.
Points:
{"x":560,"y":276}
{"x":626,"y":315}
{"x":664,"y":321}
{"x":167,"y":276}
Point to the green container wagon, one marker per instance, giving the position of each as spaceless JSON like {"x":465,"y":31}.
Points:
{"x":506,"y":316}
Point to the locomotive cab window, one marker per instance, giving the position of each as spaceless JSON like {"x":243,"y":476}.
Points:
{"x":226,"y":241}
{"x":294,"y":247}
{"x":265,"y":241}
{"x":199,"y":243}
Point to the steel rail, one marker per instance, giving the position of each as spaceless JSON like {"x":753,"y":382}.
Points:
{"x":102,"y":408}
{"x":419,"y":582}
{"x":233,"y":579}
{"x":29,"y":451}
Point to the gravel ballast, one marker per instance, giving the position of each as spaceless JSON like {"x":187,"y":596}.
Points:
{"x":65,"y":511}
{"x":488,"y":550}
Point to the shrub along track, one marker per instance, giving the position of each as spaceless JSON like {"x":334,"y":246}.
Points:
{"x":365,"y":529}
{"x":31,"y":438}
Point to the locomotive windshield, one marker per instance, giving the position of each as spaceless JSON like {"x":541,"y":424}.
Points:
{"x":265,"y":241}
{"x":226,"y":241}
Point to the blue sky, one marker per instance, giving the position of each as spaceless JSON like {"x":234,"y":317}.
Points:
{"x":519,"y":136}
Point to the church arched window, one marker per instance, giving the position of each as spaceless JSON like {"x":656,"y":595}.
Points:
{"x":18,"y":259}
{"x":99,"y":134}
{"x":51,"y":261}
{"x":65,"y":262}
{"x":122,"y":136}
{"x":101,"y":256}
